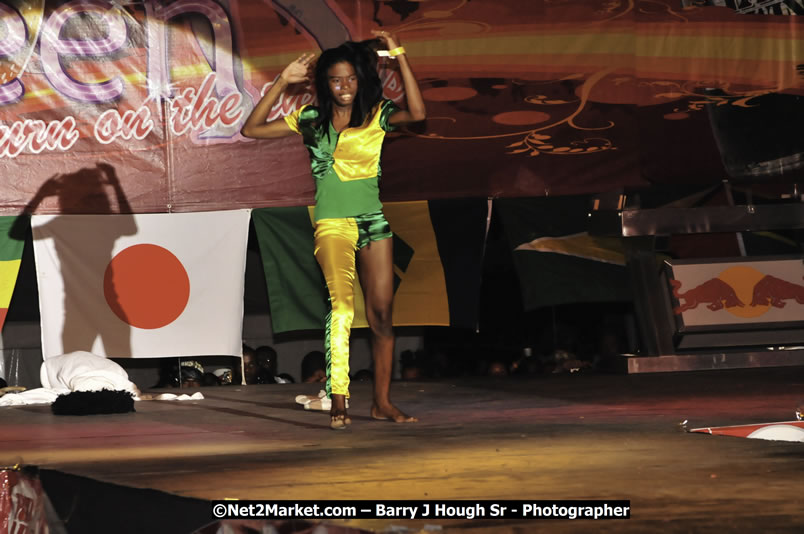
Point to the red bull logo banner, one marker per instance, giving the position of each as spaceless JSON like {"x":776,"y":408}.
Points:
{"x":745,"y":292}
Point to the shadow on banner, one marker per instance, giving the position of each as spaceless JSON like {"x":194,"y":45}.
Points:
{"x":85,"y":191}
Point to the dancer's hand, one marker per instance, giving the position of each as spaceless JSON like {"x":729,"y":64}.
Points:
{"x":51,"y":188}
{"x":388,"y":39}
{"x":299,"y":70}
{"x":108,"y":173}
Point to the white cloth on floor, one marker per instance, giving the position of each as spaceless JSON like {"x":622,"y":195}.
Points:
{"x":84,"y":371}
{"x":74,"y":371}
{"x":31,"y":396}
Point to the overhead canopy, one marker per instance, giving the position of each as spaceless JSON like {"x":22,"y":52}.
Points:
{"x":523,"y":98}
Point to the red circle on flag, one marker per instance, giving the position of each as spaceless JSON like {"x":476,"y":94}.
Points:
{"x":146,"y":286}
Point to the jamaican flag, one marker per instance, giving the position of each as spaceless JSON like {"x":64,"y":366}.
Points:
{"x":438,"y":249}
{"x":10,"y":256}
{"x":557,"y":260}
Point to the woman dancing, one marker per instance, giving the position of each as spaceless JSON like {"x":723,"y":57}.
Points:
{"x":344,"y":135}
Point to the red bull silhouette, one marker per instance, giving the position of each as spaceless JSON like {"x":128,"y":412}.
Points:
{"x":715,"y":293}
{"x":775,"y":291}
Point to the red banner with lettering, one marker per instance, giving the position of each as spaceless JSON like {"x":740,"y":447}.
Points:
{"x":523,"y":98}
{"x":22,"y":504}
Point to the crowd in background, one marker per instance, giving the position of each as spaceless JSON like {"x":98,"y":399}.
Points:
{"x":567,"y":339}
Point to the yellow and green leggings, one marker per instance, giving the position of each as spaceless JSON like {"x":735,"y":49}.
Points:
{"x":336,"y":241}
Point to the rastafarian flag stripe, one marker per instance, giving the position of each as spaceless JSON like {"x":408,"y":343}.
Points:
{"x":10,"y":258}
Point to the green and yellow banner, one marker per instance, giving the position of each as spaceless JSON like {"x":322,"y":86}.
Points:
{"x":438,"y":249}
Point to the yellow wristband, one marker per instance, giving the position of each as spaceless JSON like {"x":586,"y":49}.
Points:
{"x":396,"y":51}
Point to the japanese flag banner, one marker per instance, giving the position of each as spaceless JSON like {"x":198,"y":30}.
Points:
{"x":141,"y":286}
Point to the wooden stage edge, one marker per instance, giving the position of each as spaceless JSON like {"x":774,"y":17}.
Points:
{"x":564,"y":436}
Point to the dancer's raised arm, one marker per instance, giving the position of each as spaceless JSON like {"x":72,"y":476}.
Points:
{"x":416,"y":111}
{"x":298,"y":71}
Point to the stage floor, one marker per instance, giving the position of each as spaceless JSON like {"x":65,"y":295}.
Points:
{"x":553,"y":437}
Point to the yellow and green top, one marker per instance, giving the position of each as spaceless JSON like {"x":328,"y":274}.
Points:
{"x":346,"y":165}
